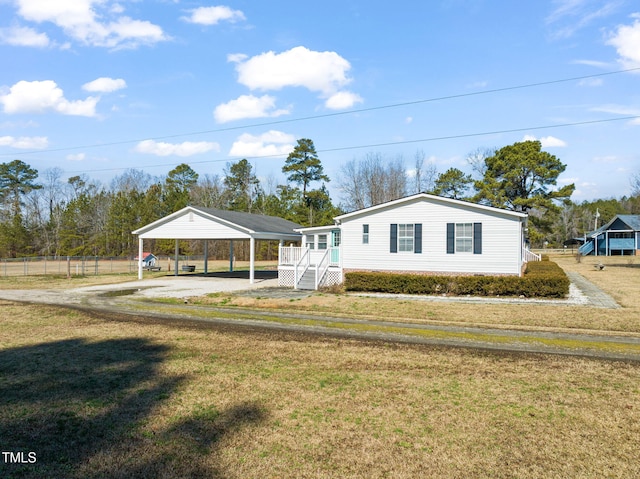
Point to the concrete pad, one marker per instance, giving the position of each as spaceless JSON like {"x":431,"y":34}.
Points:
{"x":185,"y":286}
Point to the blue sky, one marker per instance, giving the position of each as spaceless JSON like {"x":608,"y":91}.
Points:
{"x":96,"y":87}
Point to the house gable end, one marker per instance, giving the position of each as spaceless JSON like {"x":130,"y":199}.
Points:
{"x":193,"y":224}
{"x":431,"y":199}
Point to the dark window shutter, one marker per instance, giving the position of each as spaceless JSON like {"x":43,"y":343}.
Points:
{"x":451,"y":238}
{"x":393,"y":245}
{"x":477,"y":238}
{"x":417,"y":238}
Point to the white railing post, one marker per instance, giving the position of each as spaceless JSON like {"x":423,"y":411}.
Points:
{"x":319,"y":267}
{"x":297,"y":264}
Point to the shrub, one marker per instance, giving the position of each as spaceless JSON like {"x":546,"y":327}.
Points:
{"x":543,"y":279}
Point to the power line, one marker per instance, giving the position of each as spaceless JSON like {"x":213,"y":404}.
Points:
{"x":328,"y":115}
{"x":404,"y":142}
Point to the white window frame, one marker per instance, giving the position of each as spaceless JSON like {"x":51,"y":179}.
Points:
{"x":406,"y":237}
{"x":464,"y":238}
{"x":365,"y":234}
{"x":321,"y":242}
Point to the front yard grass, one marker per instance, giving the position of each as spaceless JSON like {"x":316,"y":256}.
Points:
{"x":620,"y":278}
{"x":96,"y":398}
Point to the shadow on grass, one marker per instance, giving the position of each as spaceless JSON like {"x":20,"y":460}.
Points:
{"x":82,"y":410}
{"x":620,"y":265}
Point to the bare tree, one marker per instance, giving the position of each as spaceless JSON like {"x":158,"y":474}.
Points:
{"x":395,"y":180}
{"x":635,"y":185}
{"x":372,"y":180}
{"x":477,"y":157}
{"x":350,"y":183}
{"x":424,"y":176}
{"x":208,"y":192}
{"x":131,"y":180}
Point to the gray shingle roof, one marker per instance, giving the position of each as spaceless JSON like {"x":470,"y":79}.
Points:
{"x":253,"y":222}
{"x":632,"y":221}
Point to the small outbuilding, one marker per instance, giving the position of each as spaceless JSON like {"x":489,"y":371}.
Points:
{"x":205,"y":224}
{"x":149,"y":260}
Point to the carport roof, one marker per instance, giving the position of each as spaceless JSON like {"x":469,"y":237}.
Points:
{"x":253,"y":222}
{"x":250,"y":223}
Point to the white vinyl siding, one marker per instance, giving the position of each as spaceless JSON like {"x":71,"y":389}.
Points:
{"x":191,"y":225}
{"x":501,"y":239}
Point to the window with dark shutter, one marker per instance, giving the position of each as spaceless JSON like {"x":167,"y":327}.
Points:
{"x":451,"y":238}
{"x":477,"y":238}
{"x":417,"y":240}
{"x":393,"y":242}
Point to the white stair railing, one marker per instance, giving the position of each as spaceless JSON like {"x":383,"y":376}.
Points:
{"x":304,"y":263}
{"x":322,"y":267}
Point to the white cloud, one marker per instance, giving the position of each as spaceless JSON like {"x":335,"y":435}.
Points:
{"x":322,"y":72}
{"x":546,"y":141}
{"x":620,"y":110}
{"x":76,"y":157}
{"x":23,"y":37}
{"x":214,"y":15}
{"x":342,"y":100}
{"x":105,"y":85}
{"x":606,"y":159}
{"x":92,"y":22}
{"x":591,"y":82}
{"x":273,"y":143}
{"x":592,"y":63}
{"x":247,"y":106}
{"x":617,"y":109}
{"x":43,"y":96}
{"x":626,"y":40}
{"x":236,"y":57}
{"x":478,"y":85}
{"x":569,"y":16}
{"x":25,"y":142}
{"x":187,"y":148}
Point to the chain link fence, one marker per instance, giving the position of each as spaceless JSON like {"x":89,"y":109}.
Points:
{"x":98,"y":265}
{"x":66,"y":266}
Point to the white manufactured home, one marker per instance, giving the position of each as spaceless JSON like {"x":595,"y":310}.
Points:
{"x":421,"y":233}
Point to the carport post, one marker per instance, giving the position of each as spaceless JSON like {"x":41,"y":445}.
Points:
{"x":206,"y":256}
{"x":231,"y":256}
{"x":177,"y":251}
{"x":140,"y":248}
{"x":252,"y":259}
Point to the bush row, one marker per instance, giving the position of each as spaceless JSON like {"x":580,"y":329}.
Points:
{"x":544,"y":280}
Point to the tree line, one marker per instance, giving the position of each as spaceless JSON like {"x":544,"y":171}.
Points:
{"x":42,"y":215}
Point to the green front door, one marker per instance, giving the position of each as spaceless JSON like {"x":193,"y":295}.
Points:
{"x":335,"y":246}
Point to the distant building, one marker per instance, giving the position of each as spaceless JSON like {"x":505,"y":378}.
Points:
{"x":148,"y":260}
{"x":619,"y":237}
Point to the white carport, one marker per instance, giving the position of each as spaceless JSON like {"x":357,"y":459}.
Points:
{"x":196,"y":223}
